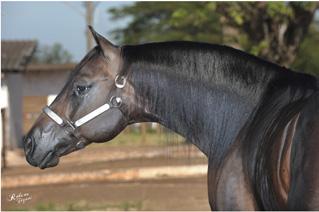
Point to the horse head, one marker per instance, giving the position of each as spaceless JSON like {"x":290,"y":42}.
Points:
{"x":95,"y":105}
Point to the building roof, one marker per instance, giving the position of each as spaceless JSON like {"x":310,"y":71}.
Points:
{"x":15,"y":54}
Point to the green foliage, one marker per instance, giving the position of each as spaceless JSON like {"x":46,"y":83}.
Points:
{"x":160,"y":21}
{"x":272,"y":30}
{"x":308,"y":55}
{"x":54,"y":54}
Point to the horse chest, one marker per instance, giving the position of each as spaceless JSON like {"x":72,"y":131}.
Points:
{"x":232,"y":190}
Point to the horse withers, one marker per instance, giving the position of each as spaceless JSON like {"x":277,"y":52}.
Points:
{"x":257,"y":122}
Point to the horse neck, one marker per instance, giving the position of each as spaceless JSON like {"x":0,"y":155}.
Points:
{"x":207,"y":114}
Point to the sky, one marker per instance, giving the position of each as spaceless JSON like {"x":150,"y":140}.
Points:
{"x":55,"y":22}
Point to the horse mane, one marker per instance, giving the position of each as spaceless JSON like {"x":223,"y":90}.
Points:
{"x":278,"y":93}
{"x":205,"y":63}
{"x":285,"y":96}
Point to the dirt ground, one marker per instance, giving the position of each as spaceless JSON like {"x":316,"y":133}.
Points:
{"x":172,"y":194}
{"x":185,"y":193}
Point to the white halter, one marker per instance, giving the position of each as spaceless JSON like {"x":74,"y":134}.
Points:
{"x":88,"y":117}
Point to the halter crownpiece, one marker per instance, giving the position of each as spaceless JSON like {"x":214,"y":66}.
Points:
{"x":115,"y":102}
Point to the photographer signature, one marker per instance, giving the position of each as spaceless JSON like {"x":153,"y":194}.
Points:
{"x":20,"y":198}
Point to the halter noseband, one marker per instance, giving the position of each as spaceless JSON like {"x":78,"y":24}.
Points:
{"x":115,"y":102}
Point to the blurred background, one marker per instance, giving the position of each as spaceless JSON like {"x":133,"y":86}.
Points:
{"x":147,"y":167}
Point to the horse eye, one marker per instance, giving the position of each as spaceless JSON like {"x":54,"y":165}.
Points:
{"x":82,"y":89}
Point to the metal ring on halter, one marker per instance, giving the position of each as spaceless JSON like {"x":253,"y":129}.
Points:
{"x":120,"y":85}
{"x":116,"y":101}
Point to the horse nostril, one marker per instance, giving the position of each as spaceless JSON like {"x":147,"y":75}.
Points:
{"x":29,"y":145}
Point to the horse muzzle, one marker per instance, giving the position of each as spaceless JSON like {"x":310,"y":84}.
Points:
{"x":34,"y":158}
{"x":46,"y":153}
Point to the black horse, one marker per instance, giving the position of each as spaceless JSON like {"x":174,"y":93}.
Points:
{"x":257,"y":122}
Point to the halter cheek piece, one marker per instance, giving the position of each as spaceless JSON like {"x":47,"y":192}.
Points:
{"x":115,"y":102}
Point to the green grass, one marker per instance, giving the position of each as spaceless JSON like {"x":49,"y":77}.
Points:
{"x":45,"y":207}
{"x":151,"y":139}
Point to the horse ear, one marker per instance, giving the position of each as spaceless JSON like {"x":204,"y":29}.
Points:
{"x":107,"y":47}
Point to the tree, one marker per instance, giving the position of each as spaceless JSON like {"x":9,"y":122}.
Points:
{"x":54,"y":54}
{"x":160,"y":21}
{"x":308,"y":54}
{"x":271,"y":30}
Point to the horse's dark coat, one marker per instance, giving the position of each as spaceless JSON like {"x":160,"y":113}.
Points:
{"x":236,"y":108}
{"x":208,"y":93}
